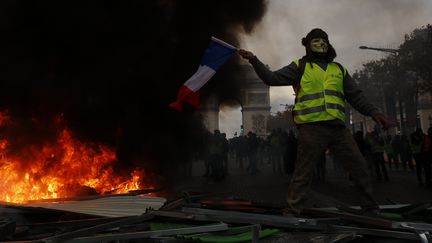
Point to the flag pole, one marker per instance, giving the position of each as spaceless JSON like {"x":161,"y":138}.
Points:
{"x":224,"y":43}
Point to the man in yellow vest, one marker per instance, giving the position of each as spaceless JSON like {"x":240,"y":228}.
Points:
{"x":321,"y":87}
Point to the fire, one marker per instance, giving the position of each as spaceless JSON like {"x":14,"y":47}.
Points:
{"x":62,"y":169}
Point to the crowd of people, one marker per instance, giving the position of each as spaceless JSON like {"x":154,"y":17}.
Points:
{"x":383,"y":152}
{"x":248,"y":152}
{"x":398,"y":152}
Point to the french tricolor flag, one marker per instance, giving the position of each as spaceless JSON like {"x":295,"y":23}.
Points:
{"x":216,"y":54}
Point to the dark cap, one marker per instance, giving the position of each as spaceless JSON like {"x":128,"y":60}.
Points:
{"x":315,"y":33}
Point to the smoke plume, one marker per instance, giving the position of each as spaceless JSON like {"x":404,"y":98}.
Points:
{"x":111,"y":68}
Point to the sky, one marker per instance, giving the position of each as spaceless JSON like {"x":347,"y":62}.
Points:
{"x":276,"y":41}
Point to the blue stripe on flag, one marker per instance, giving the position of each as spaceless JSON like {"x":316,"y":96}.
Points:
{"x":216,"y":55}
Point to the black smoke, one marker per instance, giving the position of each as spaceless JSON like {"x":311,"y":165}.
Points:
{"x":112,"y":67}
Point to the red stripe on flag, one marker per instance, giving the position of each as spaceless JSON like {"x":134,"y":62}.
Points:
{"x":186,"y":95}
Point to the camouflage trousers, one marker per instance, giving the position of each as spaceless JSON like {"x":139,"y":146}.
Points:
{"x":313,"y":140}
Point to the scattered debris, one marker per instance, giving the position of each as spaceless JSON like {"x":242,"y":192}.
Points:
{"x":205,"y":218}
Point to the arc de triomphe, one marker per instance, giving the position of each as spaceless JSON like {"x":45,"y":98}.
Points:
{"x":254,"y":101}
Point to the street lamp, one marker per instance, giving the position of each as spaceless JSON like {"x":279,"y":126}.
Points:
{"x":394,"y":51}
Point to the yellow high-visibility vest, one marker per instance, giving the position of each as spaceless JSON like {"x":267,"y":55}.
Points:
{"x":320,"y":95}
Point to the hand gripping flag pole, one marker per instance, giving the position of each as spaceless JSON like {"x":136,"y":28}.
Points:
{"x":216,"y":54}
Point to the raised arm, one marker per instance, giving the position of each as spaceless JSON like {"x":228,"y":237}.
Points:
{"x":284,"y":76}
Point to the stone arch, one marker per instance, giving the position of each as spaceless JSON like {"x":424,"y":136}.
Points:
{"x":254,"y":99}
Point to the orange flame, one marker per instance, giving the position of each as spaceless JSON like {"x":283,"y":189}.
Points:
{"x":61,"y":170}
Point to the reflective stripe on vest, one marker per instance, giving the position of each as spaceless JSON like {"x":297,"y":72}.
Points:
{"x":320,"y":96}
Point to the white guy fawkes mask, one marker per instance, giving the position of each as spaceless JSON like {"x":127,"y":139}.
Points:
{"x":319,"y":45}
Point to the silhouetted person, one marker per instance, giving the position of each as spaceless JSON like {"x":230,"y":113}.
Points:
{"x":205,"y":154}
{"x":405,"y":154}
{"x":388,"y":147}
{"x":361,"y":143}
{"x":290,"y":152}
{"x":417,"y":138}
{"x":241,"y":151}
{"x":225,"y":152}
{"x":427,"y":153}
{"x":216,"y":151}
{"x":365,"y":150}
{"x":377,"y":147}
{"x":397,"y":147}
{"x":277,"y":149}
{"x":252,"y":145}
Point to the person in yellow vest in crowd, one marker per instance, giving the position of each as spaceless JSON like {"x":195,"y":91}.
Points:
{"x":376,"y":144}
{"x":321,"y":87}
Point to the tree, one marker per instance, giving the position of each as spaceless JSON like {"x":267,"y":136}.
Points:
{"x":416,"y":56}
{"x":400,"y":77}
{"x":282,"y":120}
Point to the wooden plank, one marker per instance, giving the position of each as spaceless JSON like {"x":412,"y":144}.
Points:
{"x":92,"y":197}
{"x":107,"y":207}
{"x":147,"y":234}
{"x":376,"y":232}
{"x":71,"y":223}
{"x":174,"y":204}
{"x":282,"y":223}
{"x":97,"y":228}
{"x":371,"y":221}
{"x":275,"y":218}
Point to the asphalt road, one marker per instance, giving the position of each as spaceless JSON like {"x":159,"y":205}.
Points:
{"x":268,"y":187}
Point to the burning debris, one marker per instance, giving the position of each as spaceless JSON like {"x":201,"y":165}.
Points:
{"x":65,"y":167}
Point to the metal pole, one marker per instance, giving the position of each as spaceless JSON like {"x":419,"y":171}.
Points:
{"x":401,"y":113}
{"x":147,"y":234}
{"x":401,"y":108}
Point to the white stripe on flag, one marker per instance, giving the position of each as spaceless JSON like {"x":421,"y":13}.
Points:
{"x":202,"y":75}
